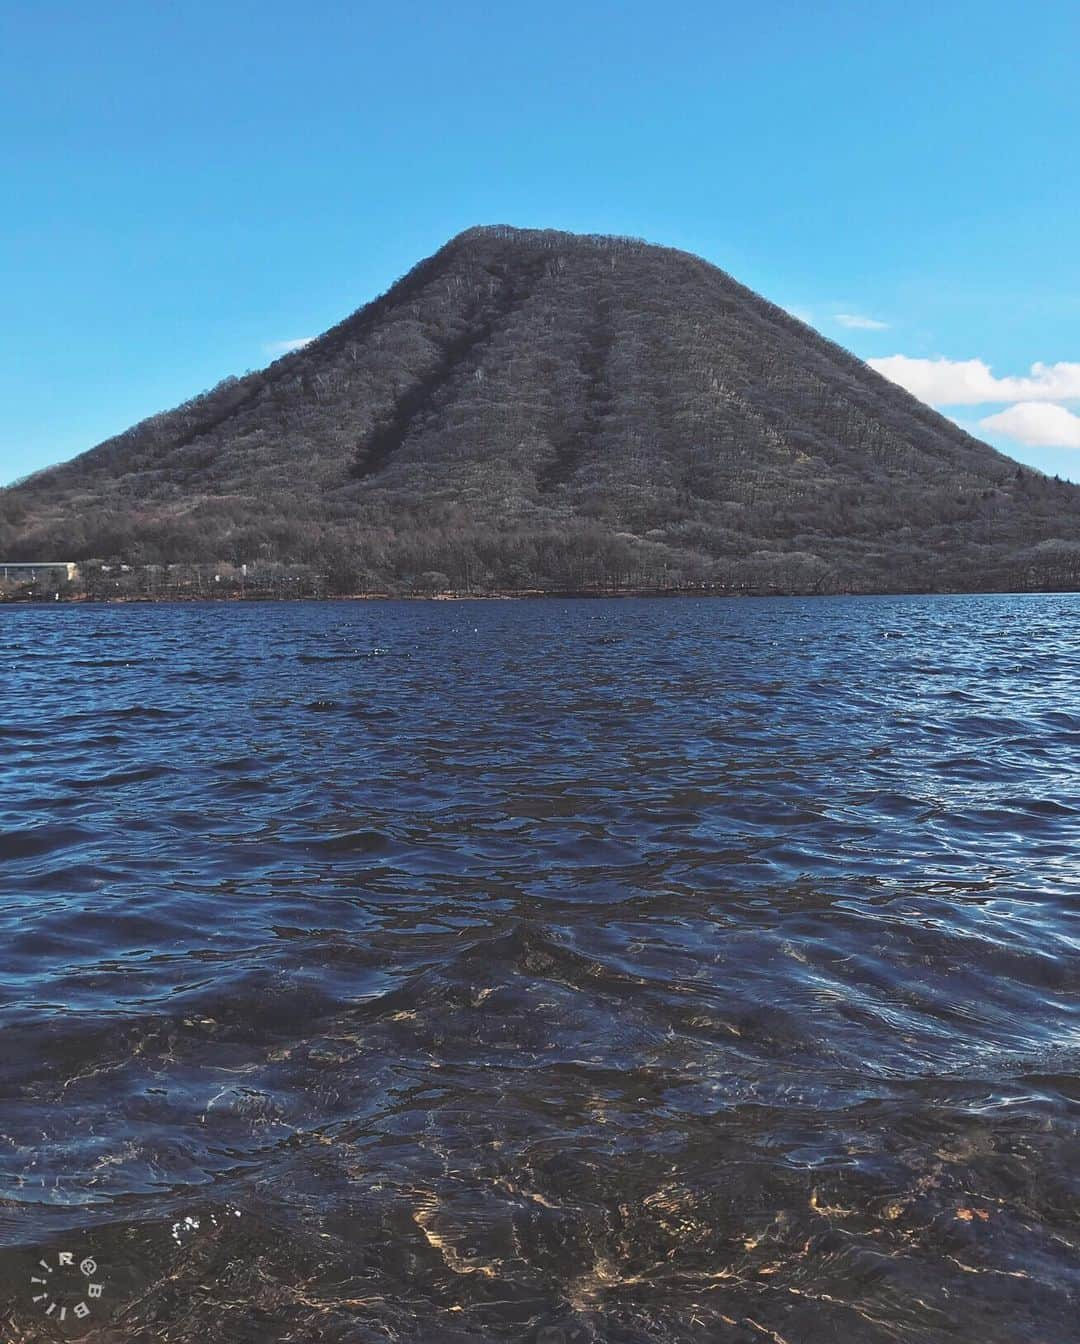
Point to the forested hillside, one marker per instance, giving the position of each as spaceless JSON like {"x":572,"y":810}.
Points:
{"x":531,"y":409}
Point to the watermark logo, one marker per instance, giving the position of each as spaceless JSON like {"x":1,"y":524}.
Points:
{"x":65,"y":1288}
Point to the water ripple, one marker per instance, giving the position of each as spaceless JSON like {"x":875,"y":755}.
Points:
{"x":623,"y":971}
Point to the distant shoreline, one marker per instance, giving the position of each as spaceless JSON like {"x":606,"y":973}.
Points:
{"x":81,"y":600}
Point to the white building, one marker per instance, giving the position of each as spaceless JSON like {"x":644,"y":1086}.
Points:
{"x":30,"y":571}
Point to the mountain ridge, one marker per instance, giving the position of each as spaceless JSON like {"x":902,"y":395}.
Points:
{"x":555,"y":410}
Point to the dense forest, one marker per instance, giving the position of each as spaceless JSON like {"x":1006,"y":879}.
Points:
{"x":531,"y":410}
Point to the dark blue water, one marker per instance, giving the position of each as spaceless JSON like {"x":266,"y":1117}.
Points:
{"x":549,"y":971}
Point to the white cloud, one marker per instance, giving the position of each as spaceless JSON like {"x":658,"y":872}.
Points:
{"x":803,"y":314}
{"x":859,"y":323}
{"x":969,"y":382}
{"x":287,"y":347}
{"x":1038,"y":424}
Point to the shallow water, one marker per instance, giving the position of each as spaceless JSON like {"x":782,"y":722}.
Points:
{"x":552,"y":971}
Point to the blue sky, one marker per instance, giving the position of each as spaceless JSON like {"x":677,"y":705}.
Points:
{"x":189,"y":183}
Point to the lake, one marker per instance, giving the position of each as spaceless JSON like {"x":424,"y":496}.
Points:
{"x":555,"y":971}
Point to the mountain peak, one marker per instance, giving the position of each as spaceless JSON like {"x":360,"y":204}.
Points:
{"x":529,"y":407}
{"x":530,"y":237}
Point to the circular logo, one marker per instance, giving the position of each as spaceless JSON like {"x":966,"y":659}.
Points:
{"x":63,"y":1289}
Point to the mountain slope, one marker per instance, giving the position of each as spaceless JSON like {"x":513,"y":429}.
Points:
{"x":530,"y":408}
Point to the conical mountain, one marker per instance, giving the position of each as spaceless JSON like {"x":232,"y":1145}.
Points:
{"x":529,"y":408}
